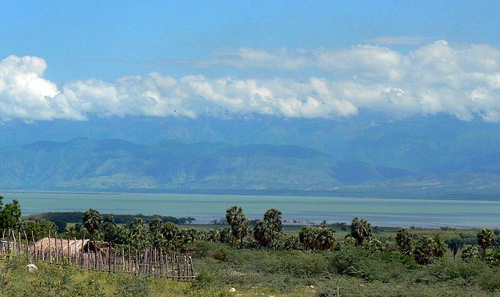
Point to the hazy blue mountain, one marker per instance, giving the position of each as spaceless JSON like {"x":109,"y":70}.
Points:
{"x":416,"y":143}
{"x":118,"y":165}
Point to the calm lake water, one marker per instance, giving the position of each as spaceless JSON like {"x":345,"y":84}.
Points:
{"x":380,"y":212}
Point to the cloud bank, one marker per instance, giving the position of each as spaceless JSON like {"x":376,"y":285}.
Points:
{"x":436,"y":78}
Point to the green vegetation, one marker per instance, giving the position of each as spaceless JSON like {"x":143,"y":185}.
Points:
{"x":76,"y":217}
{"x":264,"y":258}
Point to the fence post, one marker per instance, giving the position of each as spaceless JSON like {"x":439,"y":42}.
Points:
{"x":27,"y":246}
{"x":56,"y":248}
{"x":50,"y":250}
{"x":43,"y":251}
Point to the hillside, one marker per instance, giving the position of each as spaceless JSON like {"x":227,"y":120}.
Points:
{"x":118,"y":165}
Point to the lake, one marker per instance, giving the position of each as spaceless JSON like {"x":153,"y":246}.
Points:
{"x":379,"y":211}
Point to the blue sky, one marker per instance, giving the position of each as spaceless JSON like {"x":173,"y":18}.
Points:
{"x":82,"y":39}
{"x":302,"y":59}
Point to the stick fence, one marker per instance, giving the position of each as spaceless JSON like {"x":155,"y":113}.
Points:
{"x":88,"y":255}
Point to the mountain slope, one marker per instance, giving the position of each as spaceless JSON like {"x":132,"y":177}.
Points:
{"x":118,"y":165}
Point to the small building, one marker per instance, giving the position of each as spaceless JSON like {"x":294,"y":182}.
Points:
{"x":70,"y":247}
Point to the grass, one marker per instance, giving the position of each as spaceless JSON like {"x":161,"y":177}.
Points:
{"x":260,"y":272}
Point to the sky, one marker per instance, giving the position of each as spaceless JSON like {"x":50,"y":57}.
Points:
{"x":74,"y":60}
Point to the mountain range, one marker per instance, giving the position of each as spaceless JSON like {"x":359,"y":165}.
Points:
{"x":118,"y":165}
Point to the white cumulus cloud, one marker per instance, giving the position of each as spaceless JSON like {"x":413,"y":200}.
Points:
{"x":436,"y":78}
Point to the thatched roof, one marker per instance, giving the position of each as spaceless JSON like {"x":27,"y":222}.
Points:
{"x":74,"y":246}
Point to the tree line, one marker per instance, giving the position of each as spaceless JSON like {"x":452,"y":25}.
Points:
{"x":266,"y":233}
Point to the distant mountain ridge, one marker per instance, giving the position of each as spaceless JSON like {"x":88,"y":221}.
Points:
{"x":118,"y":165}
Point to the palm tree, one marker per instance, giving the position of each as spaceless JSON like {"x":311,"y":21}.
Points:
{"x":261,"y":233}
{"x":455,"y":244}
{"x":109,"y":229}
{"x":404,"y":239}
{"x":307,"y":237}
{"x":239,"y":224}
{"x":232,"y":213}
{"x":424,"y":250}
{"x":485,"y":238}
{"x":92,"y":221}
{"x":360,"y":230}
{"x":439,"y":249}
{"x":138,"y":233}
{"x":325,"y":239}
{"x":170,"y":233}
{"x":274,"y":223}
{"x":155,"y":230}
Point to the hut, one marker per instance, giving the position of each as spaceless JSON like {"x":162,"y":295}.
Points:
{"x":70,"y":247}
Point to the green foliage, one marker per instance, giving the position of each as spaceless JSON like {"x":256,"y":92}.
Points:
{"x":219,"y":255}
{"x":76,"y":217}
{"x":92,"y":221}
{"x":239,"y":224}
{"x":404,"y":239}
{"x":428,"y":248}
{"x":455,"y":244}
{"x":470,"y":252}
{"x":133,"y":287}
{"x":490,"y":280}
{"x":38,"y":229}
{"x":138,"y":235}
{"x":269,"y":230}
{"x":360,"y":230}
{"x":10,"y":214}
{"x":485,"y":238}
{"x":317,"y":238}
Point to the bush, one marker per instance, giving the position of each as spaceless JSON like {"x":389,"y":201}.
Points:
{"x":219,"y":255}
{"x":132,"y":287}
{"x":490,"y":280}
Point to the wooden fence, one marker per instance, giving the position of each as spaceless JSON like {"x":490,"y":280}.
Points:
{"x":99,"y":256}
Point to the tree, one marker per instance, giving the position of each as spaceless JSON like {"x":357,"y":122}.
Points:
{"x":110,"y":229}
{"x":239,"y":224}
{"x":138,"y":233}
{"x":92,"y":221}
{"x":314,"y":238}
{"x":438,"y":247}
{"x":455,"y":244}
{"x":325,"y":239}
{"x":268,"y":231}
{"x":485,"y":238}
{"x":424,"y":250}
{"x":428,"y":248}
{"x":170,"y":233}
{"x":155,"y":226}
{"x":36,"y":230}
{"x":307,"y":237}
{"x":360,"y":230}
{"x":10,"y":215}
{"x":470,"y":252}
{"x":61,"y":225}
{"x":261,"y":234}
{"x":404,"y":239}
{"x":274,"y":223}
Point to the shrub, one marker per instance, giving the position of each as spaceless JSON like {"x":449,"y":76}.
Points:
{"x":132,"y":287}
{"x":490,"y":280}
{"x":219,"y":255}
